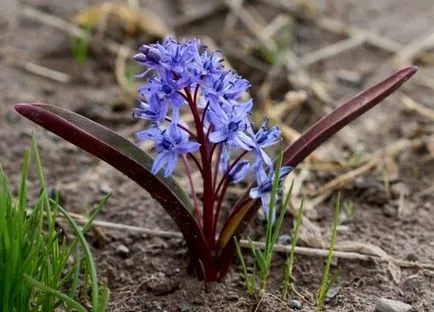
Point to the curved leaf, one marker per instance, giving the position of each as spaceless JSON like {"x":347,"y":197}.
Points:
{"x":128,"y":159}
{"x":246,"y":208}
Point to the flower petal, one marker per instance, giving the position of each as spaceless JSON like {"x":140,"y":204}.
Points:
{"x":217,"y":136}
{"x":243,"y":140}
{"x":171,"y":163}
{"x":159,"y":162}
{"x":187,"y":147}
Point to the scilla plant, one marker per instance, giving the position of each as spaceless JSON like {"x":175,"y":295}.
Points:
{"x":185,"y":77}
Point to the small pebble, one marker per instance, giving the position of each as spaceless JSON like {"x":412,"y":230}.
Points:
{"x":184,"y":308}
{"x":411,"y":257}
{"x":105,"y":188}
{"x":156,"y":305}
{"x":343,"y":228}
{"x":295,"y":304}
{"x":350,"y":78}
{"x":122,"y":250}
{"x":387,"y":305}
{"x":284,"y":239}
{"x":381,"y":279}
{"x":332,"y":292}
{"x":335,"y":262}
{"x":344,"y":217}
{"x":12,"y":118}
{"x":390,"y":210}
{"x":233,"y":296}
{"x":160,"y":285}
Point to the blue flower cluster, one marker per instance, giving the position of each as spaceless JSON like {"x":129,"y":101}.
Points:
{"x":187,"y":74}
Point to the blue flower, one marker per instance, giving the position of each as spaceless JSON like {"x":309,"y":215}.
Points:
{"x":265,"y":137}
{"x":177,"y":56}
{"x":229,"y":125}
{"x":239,"y":171}
{"x":169,"y":143}
{"x":223,"y":87}
{"x":155,"y":110}
{"x":265,"y":186}
{"x":207,"y":64}
{"x":171,"y":55}
{"x":168,"y":88}
{"x":188,"y":71}
{"x":149,"y":56}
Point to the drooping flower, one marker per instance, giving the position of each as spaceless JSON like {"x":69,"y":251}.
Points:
{"x":264,"y":138}
{"x":239,"y":171}
{"x":169,"y":143}
{"x":265,"y":186}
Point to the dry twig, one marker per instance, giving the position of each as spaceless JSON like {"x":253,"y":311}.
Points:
{"x":413,"y":105}
{"x":340,"y":28}
{"x":213,"y":7}
{"x":388,"y":151}
{"x":120,"y":73}
{"x":315,"y":252}
{"x":69,"y":28}
{"x":409,"y":52}
{"x":332,"y":50}
{"x":39,"y":70}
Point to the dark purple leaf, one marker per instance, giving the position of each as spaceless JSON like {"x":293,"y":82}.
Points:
{"x":128,"y":159}
{"x":246,"y":208}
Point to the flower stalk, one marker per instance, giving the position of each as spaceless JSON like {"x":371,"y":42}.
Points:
{"x":220,"y":122}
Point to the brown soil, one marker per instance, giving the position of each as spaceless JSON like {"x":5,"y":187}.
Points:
{"x":152,"y":276}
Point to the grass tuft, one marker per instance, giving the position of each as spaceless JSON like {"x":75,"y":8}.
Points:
{"x":262,"y":263}
{"x":35,"y":258}
{"x":80,"y":46}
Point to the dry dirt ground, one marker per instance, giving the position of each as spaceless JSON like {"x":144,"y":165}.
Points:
{"x":396,"y":215}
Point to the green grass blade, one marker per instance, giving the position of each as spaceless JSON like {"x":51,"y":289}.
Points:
{"x":259,"y":257}
{"x":290,"y":261}
{"x":75,"y":272}
{"x":269,"y":231}
{"x":279,"y":223}
{"x":247,"y":279}
{"x":325,"y":283}
{"x":89,"y":258}
{"x":69,"y":301}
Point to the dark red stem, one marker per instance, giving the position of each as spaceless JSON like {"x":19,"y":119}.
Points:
{"x":191,"y":134}
{"x":204,"y":112}
{"x":207,"y":172}
{"x":193,"y":192}
{"x":196,"y":162}
{"x":219,"y":203}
